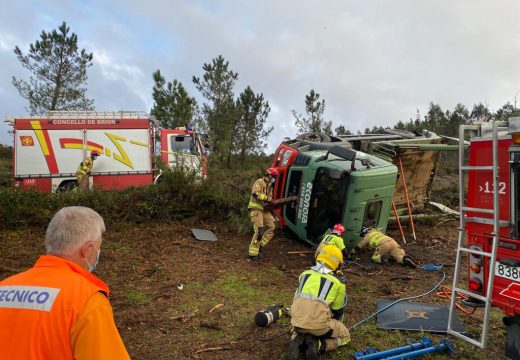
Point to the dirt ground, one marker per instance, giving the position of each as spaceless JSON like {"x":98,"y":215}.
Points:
{"x":175,"y":297}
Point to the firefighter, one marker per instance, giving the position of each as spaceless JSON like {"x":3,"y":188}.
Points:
{"x":261,"y":218}
{"x":385,"y":247}
{"x":58,"y":309}
{"x":317,"y":308}
{"x":84,"y":170}
{"x":335,"y":238}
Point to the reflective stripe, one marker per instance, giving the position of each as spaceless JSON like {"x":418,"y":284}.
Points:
{"x":302,"y":283}
{"x":254,"y":205}
{"x":28,"y":297}
{"x":311,"y":297}
{"x":376,"y":238}
{"x":325,"y":286}
{"x":327,"y":239}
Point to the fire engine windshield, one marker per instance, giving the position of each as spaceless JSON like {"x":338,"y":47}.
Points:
{"x":182,"y":144}
{"x":327,"y":202}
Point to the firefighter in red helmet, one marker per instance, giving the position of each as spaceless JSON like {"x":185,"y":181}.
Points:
{"x":334,"y":237}
{"x":261,"y":218}
{"x":84,"y":170}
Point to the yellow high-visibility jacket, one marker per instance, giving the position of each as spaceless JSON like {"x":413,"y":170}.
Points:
{"x":319,"y":298}
{"x":261,"y":194}
{"x":85,"y":167}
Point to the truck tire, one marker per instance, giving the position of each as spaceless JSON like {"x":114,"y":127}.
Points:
{"x":314,"y":136}
{"x":67,"y":185}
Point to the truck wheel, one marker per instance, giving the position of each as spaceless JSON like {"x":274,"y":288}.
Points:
{"x":314,"y":136}
{"x":67,"y":186}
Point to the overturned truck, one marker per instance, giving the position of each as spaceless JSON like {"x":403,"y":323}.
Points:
{"x":354,"y":180}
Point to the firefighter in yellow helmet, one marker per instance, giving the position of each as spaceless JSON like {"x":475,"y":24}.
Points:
{"x":84,"y":170}
{"x":261,"y":218}
{"x":317,"y":308}
{"x":335,"y":237}
{"x":385,"y":248}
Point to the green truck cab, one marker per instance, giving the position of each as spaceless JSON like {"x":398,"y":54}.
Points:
{"x":334,"y":184}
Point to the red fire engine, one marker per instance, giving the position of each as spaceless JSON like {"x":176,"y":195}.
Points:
{"x":489,"y":223}
{"x":48,"y":149}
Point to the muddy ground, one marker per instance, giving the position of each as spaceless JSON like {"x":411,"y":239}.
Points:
{"x":175,"y":297}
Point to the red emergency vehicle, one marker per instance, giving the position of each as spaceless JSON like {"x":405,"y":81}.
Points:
{"x":48,"y":149}
{"x":489,"y":226}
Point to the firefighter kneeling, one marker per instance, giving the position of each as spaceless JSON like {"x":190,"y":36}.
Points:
{"x":317,"y":308}
{"x":385,"y":247}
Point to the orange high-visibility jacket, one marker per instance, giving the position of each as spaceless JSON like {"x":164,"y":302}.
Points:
{"x":40,"y":307}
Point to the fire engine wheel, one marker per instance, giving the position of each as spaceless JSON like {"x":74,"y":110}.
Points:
{"x":67,"y":186}
{"x":314,"y":136}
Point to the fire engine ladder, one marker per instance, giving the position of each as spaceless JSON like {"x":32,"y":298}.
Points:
{"x":461,"y":249}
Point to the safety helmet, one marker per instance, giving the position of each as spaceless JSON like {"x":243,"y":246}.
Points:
{"x":94,"y":153}
{"x":272,"y":171}
{"x":331,"y":256}
{"x":338,"y":229}
{"x":365,"y":230}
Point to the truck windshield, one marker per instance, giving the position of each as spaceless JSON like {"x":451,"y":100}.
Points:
{"x":182,"y":144}
{"x":327,"y":202}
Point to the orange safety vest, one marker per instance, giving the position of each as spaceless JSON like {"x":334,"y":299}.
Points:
{"x":38,"y":308}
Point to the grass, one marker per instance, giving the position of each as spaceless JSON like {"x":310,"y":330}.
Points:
{"x":138,"y":297}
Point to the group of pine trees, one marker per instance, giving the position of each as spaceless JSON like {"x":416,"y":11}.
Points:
{"x":236,"y":124}
{"x":447,"y":122}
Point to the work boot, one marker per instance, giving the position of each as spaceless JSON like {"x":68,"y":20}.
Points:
{"x":385,"y":259}
{"x":255,"y":259}
{"x":408,"y":262}
{"x":295,"y":346}
{"x":313,"y":347}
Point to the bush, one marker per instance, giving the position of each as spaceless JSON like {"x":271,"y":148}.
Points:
{"x":180,"y":195}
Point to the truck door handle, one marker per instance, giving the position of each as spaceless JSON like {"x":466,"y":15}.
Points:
{"x":510,"y":262}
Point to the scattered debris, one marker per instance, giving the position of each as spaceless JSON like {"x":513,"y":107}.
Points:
{"x":216,"y":307}
{"x":352,"y":272}
{"x":210,"y":325}
{"x":444,"y":208}
{"x":213,"y":349}
{"x":185,"y":317}
{"x":204,"y":235}
{"x":180,"y":286}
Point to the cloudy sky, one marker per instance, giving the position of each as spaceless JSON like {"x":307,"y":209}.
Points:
{"x":374,"y":62}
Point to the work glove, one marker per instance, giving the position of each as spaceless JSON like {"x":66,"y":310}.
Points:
{"x":341,"y":277}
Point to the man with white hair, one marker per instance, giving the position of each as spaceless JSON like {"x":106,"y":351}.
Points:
{"x":58,"y":309}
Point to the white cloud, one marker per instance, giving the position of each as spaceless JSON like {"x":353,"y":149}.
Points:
{"x":373,"y":62}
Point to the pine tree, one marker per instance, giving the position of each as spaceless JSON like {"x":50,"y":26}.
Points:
{"x":341,"y":130}
{"x":172,"y":104}
{"x":314,"y":121}
{"x":480,"y":113}
{"x":219,"y":112}
{"x":250,"y":132}
{"x":59,"y":73}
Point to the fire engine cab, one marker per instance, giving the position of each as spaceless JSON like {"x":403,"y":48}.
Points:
{"x":49,"y":149}
{"x":489,"y":234}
